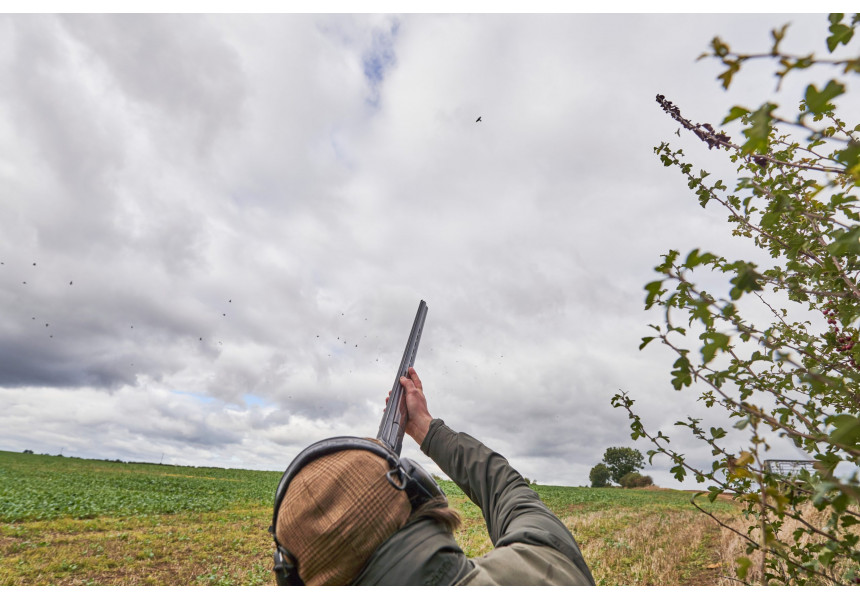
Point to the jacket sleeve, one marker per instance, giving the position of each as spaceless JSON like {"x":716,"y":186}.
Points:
{"x":512,"y":510}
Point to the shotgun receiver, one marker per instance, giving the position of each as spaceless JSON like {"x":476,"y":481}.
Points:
{"x":393,"y":424}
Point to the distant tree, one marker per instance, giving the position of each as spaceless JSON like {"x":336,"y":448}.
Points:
{"x":635,"y":480}
{"x":600,"y":475}
{"x":622,"y":461}
{"x":28,"y":452}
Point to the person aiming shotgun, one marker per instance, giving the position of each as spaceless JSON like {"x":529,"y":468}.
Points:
{"x":350,"y":511}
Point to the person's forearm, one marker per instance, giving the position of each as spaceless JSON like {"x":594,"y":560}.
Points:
{"x":474,"y":467}
{"x":512,"y":510}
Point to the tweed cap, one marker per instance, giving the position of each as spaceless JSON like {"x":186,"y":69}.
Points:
{"x":337,"y":510}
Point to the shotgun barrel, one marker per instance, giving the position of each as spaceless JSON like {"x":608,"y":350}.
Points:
{"x":393,"y":424}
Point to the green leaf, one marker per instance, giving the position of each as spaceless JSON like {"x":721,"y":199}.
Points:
{"x":682,"y":373}
{"x":694,"y":258}
{"x":735,"y":113}
{"x":720,"y":47}
{"x":743,"y":566}
{"x":842,"y":34}
{"x":778,"y":35}
{"x":850,"y":157}
{"x":679,"y":472}
{"x":848,"y":521}
{"x":645,"y":341}
{"x":846,"y":243}
{"x":747,"y":280}
{"x":714,"y":492}
{"x":840,"y":503}
{"x":819,"y":102}
{"x":846,"y":430}
{"x":654,"y":289}
{"x":759,"y":129}
{"x":726,"y":76}
{"x":775,"y":210}
{"x":718,"y":341}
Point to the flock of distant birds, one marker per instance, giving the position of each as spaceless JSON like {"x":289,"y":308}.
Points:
{"x":224,"y":314}
{"x":72,"y":282}
{"x":25,"y":283}
{"x":2,"y":263}
{"x":200,"y":338}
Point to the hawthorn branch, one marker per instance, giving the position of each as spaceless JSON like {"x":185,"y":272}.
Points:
{"x":706,"y":133}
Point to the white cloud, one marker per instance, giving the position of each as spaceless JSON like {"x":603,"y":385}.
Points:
{"x":288,"y":187}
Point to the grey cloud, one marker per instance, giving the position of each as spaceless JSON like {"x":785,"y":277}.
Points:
{"x":175,"y":65}
{"x":225,"y":178}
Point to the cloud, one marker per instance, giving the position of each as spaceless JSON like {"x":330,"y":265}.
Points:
{"x":248,"y":209}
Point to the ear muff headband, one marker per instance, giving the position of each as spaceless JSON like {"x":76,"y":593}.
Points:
{"x":404,"y":474}
{"x":324,"y":448}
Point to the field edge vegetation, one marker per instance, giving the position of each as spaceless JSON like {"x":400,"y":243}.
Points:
{"x":68,"y":521}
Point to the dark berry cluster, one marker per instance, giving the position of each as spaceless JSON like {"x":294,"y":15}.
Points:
{"x":704,"y":131}
{"x":844,"y":341}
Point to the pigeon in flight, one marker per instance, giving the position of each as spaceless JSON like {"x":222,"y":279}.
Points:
{"x":478,"y":120}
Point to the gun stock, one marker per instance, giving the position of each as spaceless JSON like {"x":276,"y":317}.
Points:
{"x":393,"y":424}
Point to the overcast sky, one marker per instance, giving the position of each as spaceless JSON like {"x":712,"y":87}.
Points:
{"x":216,"y":229}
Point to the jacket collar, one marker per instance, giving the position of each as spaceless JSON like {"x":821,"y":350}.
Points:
{"x":421,"y":553}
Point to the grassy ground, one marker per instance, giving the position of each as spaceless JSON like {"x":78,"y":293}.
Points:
{"x":66,"y":521}
{"x":628,"y":537}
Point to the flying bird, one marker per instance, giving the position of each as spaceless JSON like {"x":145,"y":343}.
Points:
{"x":478,"y":120}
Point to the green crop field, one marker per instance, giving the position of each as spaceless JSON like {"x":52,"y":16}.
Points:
{"x":69,"y":521}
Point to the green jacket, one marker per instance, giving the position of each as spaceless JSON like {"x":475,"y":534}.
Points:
{"x":532,"y":546}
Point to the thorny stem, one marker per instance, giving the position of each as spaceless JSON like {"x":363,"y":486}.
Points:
{"x":789,"y":57}
{"x":759,"y":547}
{"x":763,"y":512}
{"x":706,"y":133}
{"x":765,"y":506}
{"x":754,"y":333}
{"x":767,"y":549}
{"x":842,"y":275}
{"x":781,"y":399}
{"x":776,"y":425}
{"x":743,"y":221}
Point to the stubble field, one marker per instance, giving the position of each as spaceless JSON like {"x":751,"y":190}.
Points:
{"x":68,"y":521}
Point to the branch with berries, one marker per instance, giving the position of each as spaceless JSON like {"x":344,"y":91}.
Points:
{"x":844,"y":341}
{"x":706,"y":133}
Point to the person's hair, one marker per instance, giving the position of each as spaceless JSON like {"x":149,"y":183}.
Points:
{"x":438,"y":510}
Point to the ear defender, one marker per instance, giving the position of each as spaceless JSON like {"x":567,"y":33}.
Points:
{"x":286,"y":566}
{"x":404,"y":474}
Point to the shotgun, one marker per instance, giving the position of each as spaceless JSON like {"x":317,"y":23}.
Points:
{"x":393,"y":424}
